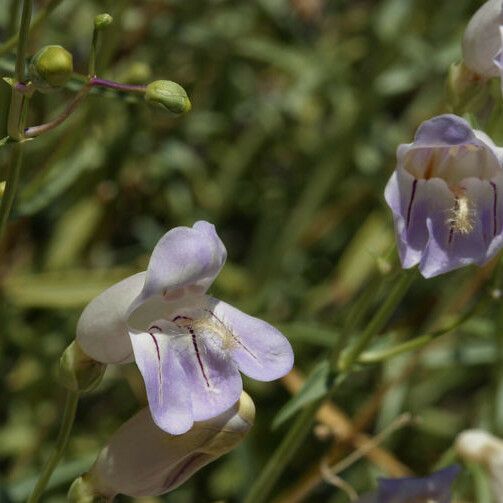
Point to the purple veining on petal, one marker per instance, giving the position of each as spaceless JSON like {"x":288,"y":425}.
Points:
{"x":198,"y":356}
{"x":177,"y":478}
{"x":190,"y":329}
{"x":495,"y":205}
{"x":409,"y":209}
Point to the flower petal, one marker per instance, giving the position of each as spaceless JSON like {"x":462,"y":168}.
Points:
{"x":142,"y":460}
{"x":260,"y":351}
{"x":184,"y":261}
{"x":213,"y":379}
{"x":482,"y":40}
{"x":102,"y":330}
{"x":436,"y":487}
{"x":448,"y":249}
{"x":444,"y":130}
{"x":168,"y":389}
{"x":413,"y":201}
{"x":187,"y":376}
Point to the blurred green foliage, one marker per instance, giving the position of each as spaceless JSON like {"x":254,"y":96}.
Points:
{"x":297,"y":109}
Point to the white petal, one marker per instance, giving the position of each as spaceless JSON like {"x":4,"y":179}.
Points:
{"x":143,"y":460}
{"x":102,"y":330}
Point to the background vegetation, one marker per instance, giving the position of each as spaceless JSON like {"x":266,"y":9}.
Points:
{"x":298,"y":107}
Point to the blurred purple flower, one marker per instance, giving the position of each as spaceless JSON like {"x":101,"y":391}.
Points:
{"x":188,"y":346}
{"x":483,"y":41}
{"x":446,"y":195}
{"x":433,"y":489}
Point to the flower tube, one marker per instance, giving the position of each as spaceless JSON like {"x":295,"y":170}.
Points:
{"x":140,"y":459}
{"x":189,"y":346}
{"x":483,"y":41}
{"x":446,"y":195}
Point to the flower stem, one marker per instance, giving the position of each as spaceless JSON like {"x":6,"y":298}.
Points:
{"x":261,"y":489}
{"x":10,"y":44}
{"x":72,"y":398}
{"x":93,"y":82}
{"x":117,"y":86}
{"x":33,"y":131}
{"x":345,"y":361}
{"x":24,"y":29}
{"x":10,"y":186}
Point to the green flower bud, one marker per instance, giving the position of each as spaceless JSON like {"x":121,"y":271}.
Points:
{"x":169,"y":95}
{"x":50,"y":68}
{"x":102,"y":21}
{"x":78,"y":371}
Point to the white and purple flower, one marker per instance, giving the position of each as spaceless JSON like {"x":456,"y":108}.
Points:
{"x":189,"y":347}
{"x":483,"y":41}
{"x":446,"y":195}
{"x":435,"y":488}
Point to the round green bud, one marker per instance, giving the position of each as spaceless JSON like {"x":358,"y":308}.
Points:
{"x":78,"y":371}
{"x":102,"y":21}
{"x":50,"y":68}
{"x":169,"y":95}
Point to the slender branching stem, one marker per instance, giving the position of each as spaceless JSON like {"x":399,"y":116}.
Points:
{"x":94,"y":82}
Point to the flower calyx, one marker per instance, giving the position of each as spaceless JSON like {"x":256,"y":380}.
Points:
{"x":77,"y":371}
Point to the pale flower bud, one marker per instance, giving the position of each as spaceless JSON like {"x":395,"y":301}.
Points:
{"x":483,"y":40}
{"x":102,"y":21}
{"x":143,"y":460}
{"x":169,"y":95}
{"x":50,"y":68}
{"x":480,"y":447}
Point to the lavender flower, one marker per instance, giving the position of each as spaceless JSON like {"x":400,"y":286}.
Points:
{"x":188,"y":346}
{"x":483,"y":41}
{"x":446,"y":196}
{"x":435,"y":488}
{"x":142,"y":460}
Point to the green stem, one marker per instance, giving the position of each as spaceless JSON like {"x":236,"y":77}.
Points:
{"x":13,"y":15}
{"x":22,"y":41}
{"x":33,"y":131}
{"x":10,"y":44}
{"x":282,"y":456}
{"x":379,"y":355}
{"x":10,"y":186}
{"x":72,"y":398}
{"x":346,"y":360}
{"x":260,"y":491}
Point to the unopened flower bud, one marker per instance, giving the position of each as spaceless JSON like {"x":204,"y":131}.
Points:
{"x":79,"y":372}
{"x":50,"y":68}
{"x":143,"y":460}
{"x":169,"y":95}
{"x":102,"y":21}
{"x":478,"y":446}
